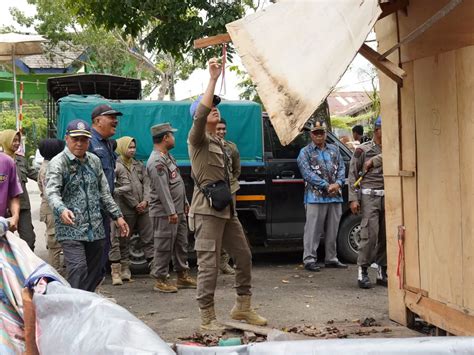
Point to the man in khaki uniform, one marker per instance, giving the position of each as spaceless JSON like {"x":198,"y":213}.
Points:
{"x":368,"y":199}
{"x":234,"y":156}
{"x":132,"y":194}
{"x":168,"y":210}
{"x":213,"y":228}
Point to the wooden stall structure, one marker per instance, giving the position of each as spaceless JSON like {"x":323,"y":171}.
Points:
{"x":428,"y":153}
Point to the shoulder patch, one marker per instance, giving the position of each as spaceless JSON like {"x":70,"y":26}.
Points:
{"x":358,"y":152}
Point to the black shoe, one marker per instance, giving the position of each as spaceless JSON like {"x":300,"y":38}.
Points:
{"x":336,"y":265}
{"x":363,"y":280}
{"x":312,"y":267}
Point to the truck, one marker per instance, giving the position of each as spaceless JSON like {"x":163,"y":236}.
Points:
{"x":270,"y":200}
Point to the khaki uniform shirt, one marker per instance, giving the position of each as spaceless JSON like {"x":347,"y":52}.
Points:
{"x":207,"y":163}
{"x":374,"y":178}
{"x":44,"y":207}
{"x":23,"y":174}
{"x":168,"y":193}
{"x":234,"y":158}
{"x":132,"y":186}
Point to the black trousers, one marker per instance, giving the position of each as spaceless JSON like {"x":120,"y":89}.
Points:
{"x":83,"y":263}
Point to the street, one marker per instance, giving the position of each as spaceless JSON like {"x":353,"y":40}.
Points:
{"x":283,"y":292}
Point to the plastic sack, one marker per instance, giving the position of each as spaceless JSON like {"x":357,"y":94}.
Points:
{"x":72,"y":321}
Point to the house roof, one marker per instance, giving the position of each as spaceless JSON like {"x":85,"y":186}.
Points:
{"x":59,"y":58}
{"x":347,"y":103}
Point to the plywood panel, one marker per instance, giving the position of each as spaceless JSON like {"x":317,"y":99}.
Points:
{"x":465,"y":95}
{"x":439,"y":193}
{"x":454,"y":31}
{"x":386,"y":31}
{"x":409,"y":184}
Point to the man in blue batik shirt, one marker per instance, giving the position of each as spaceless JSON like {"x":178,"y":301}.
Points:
{"x":323,"y":171}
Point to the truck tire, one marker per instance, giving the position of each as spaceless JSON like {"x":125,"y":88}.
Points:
{"x":348,"y":238}
{"x":138,"y":263}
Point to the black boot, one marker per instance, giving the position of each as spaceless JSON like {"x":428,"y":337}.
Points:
{"x":382,"y":278}
{"x":363,"y":280}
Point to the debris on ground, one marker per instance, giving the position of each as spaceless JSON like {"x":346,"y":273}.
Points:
{"x":313,"y":331}
{"x":369,"y":322}
{"x":201,"y":339}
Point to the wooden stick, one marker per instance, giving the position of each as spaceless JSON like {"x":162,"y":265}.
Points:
{"x":387,"y":67}
{"x":212,"y":41}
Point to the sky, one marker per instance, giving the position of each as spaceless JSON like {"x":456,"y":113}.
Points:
{"x":352,"y":80}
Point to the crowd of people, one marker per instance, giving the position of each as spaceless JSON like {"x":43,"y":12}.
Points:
{"x":95,"y":194}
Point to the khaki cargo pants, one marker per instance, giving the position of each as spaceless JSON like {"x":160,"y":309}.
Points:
{"x":171,"y":244}
{"x":54,"y":248}
{"x":120,"y":247}
{"x":372,"y":246}
{"x":211,"y":234}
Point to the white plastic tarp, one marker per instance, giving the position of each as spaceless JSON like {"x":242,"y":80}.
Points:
{"x":392,"y":346}
{"x":296,"y":52}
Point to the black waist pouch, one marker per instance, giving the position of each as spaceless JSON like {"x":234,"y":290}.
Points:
{"x":218,"y":194}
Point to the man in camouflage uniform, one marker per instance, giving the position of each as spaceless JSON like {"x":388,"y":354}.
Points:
{"x":234,"y":157}
{"x":368,"y":198}
{"x":216,"y":228}
{"x":168,"y":210}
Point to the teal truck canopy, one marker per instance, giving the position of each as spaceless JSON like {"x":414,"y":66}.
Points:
{"x":244,"y":122}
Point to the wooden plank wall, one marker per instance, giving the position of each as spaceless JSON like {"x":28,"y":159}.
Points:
{"x":434,"y":137}
{"x":439,"y":195}
{"x":465,"y":94}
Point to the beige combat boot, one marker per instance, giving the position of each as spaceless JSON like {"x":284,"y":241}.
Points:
{"x":242,"y":310}
{"x":116,"y":270}
{"x":209,"y":321}
{"x":126,"y":274}
{"x":164,"y":285}
{"x":185,"y":281}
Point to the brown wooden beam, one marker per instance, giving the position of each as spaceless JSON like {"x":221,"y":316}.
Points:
{"x":391,"y":7}
{"x":440,"y":314}
{"x":392,"y":70}
{"x":212,"y":41}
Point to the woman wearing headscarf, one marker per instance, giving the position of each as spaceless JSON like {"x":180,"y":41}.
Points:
{"x":48,"y":149}
{"x":132,"y":193}
{"x":10,"y":141}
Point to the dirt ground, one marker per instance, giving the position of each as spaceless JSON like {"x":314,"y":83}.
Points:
{"x":284,"y":293}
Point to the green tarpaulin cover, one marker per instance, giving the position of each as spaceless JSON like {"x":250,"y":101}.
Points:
{"x":244,"y":122}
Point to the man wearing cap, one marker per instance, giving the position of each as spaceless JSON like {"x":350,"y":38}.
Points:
{"x":168,"y":209}
{"x":104,"y":125}
{"x":368,"y":199}
{"x":322,"y":168}
{"x":76,"y":188}
{"x":215,"y":222}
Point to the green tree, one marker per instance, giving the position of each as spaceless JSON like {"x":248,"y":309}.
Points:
{"x":34,"y":125}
